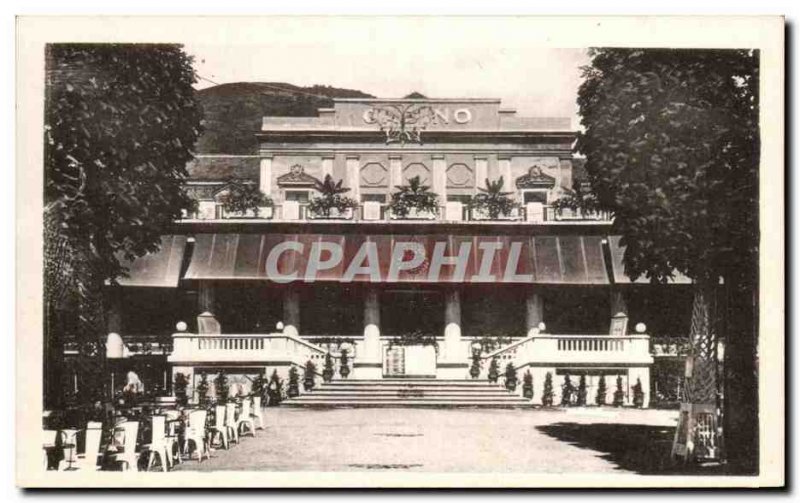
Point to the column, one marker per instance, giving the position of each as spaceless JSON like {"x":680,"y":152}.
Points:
{"x":482,"y":173}
{"x":353,"y":178}
{"x":452,"y":327}
{"x":369,"y":363}
{"x":327,"y":165}
{"x":395,"y":171}
{"x":291,"y":312}
{"x":205,"y":297}
{"x":114,"y":315}
{"x":618,"y":304}
{"x":534,"y":312}
{"x":265,"y":176}
{"x":440,"y":177}
{"x":504,"y":168}
{"x":372,"y":323}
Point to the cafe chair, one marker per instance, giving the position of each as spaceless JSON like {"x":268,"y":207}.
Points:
{"x":88,"y":460}
{"x":196,"y":433}
{"x":172,"y":438}
{"x":246,"y":420}
{"x":230,"y":422}
{"x":50,"y":440}
{"x":219,"y":430}
{"x":257,"y":413}
{"x":158,"y":443}
{"x":124,"y":438}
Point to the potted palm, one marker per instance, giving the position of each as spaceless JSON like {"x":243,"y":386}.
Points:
{"x":492,"y":203}
{"x":331,"y":203}
{"x":414,"y":200}
{"x":243,"y":199}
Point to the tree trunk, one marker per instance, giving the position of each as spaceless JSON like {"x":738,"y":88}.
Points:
{"x":741,"y":380}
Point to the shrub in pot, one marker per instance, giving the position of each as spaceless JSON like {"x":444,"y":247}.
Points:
{"x":344,"y":367}
{"x":511,"y":377}
{"x":331,"y":203}
{"x":180,"y":386}
{"x":580,"y":398}
{"x":275,"y":389}
{"x":243,"y":197}
{"x":527,"y":385}
{"x":309,"y":374}
{"x":567,"y":392}
{"x":600,"y":398}
{"x":619,"y":395}
{"x":293,"y":389}
{"x":413,"y":199}
{"x":547,"y":393}
{"x":202,"y":390}
{"x":328,"y":370}
{"x":221,"y":387}
{"x":475,"y":368}
{"x":494,"y":370}
{"x":638,"y":394}
{"x":492,"y":202}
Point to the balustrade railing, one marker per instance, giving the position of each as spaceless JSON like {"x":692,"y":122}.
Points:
{"x":243,"y":347}
{"x":575,"y":349}
{"x":379,"y":212}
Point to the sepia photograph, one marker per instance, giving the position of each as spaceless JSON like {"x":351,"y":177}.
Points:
{"x":410,"y":251}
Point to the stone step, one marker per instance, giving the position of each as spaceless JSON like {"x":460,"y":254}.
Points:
{"x":390,"y":392}
{"x":400,"y":397}
{"x":410,"y":404}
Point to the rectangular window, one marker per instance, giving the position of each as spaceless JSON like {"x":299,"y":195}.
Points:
{"x":301,"y":196}
{"x":376,"y":198}
{"x":534,"y":196}
{"x":459,"y":198}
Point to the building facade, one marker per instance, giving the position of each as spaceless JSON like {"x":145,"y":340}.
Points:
{"x":411,"y":295}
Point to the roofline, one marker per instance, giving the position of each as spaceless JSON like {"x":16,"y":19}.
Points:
{"x":416,"y":100}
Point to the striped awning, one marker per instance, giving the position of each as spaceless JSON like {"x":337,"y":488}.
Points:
{"x":383,"y":258}
{"x":618,"y":251}
{"x":161,"y":269}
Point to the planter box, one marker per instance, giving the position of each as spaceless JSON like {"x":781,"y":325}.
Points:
{"x":334,"y":215}
{"x":415,"y":214}
{"x":265,"y":212}
{"x":478,"y":215}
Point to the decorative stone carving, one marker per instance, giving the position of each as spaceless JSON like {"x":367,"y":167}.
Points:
{"x":417,"y":169}
{"x":460,"y":175}
{"x":374,"y":174}
{"x":401,"y":123}
{"x":535,"y":179}
{"x":297,"y":177}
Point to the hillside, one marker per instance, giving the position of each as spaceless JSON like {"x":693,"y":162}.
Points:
{"x":233,"y":112}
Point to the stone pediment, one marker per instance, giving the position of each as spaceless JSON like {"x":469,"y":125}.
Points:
{"x":297,"y":177}
{"x":535,"y":179}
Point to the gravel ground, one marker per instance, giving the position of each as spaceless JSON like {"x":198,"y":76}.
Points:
{"x":453,"y":440}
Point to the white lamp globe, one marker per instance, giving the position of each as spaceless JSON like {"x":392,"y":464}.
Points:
{"x":641,"y":327}
{"x":181,"y":326}
{"x":114,"y":346}
{"x":541,"y":326}
{"x":279,"y":325}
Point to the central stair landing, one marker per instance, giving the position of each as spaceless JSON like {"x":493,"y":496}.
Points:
{"x":436,"y":393}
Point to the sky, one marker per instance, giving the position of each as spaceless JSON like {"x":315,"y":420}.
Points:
{"x":440,"y":58}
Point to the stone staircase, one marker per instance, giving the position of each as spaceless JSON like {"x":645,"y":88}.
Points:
{"x":409,"y":393}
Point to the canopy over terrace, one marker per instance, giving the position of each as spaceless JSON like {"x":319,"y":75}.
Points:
{"x":384,"y":258}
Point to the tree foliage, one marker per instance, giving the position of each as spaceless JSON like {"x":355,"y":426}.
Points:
{"x":120,"y":123}
{"x":672,"y":146}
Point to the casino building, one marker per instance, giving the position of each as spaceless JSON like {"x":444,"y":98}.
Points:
{"x":406,"y":296}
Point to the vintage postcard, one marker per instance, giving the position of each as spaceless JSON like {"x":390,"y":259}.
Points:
{"x":400,"y":252}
